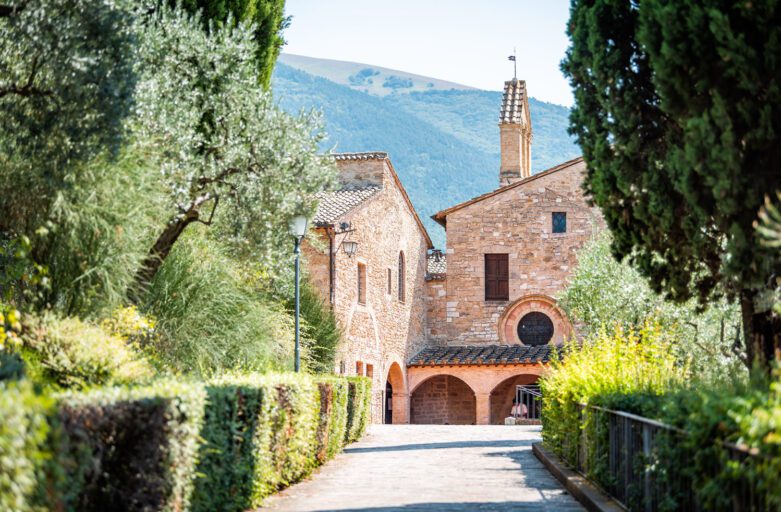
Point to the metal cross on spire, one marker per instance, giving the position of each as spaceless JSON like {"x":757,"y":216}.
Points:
{"x":515,"y":65}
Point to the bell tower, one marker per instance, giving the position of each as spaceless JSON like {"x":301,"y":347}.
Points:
{"x":515,"y":133}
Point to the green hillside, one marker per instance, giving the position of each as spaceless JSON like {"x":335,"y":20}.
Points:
{"x":443,"y":143}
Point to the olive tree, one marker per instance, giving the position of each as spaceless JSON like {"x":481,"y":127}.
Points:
{"x":225,"y":150}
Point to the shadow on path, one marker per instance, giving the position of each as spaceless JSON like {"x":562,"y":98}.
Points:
{"x":442,"y":446}
{"x":492,"y":506}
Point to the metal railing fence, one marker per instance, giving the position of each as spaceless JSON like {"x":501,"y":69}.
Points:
{"x":529,"y":400}
{"x":643,"y":464}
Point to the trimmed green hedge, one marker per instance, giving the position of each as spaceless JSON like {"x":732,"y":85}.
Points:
{"x":23,"y":433}
{"x":224,"y":445}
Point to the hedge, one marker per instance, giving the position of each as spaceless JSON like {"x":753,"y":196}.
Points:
{"x":222,"y":445}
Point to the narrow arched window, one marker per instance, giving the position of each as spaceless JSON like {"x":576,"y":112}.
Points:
{"x":402,"y":277}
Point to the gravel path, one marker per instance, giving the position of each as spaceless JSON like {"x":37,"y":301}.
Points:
{"x":432,"y":467}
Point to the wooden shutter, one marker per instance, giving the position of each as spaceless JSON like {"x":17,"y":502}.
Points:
{"x":497,"y":277}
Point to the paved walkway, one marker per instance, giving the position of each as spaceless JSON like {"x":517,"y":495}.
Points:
{"x":432,"y":467}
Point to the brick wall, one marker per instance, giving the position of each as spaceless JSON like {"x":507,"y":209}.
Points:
{"x":516,"y":222}
{"x":443,"y":400}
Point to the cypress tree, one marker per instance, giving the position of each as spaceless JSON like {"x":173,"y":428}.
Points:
{"x":269,"y":19}
{"x":678,"y":111}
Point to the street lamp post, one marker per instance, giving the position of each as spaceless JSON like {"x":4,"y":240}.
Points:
{"x":298,"y":230}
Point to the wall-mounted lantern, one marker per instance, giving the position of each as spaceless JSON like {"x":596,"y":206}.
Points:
{"x":349,"y":247}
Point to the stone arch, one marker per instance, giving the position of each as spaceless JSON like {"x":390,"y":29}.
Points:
{"x":443,"y":399}
{"x":503,"y":393}
{"x":395,"y":395}
{"x":508,"y":323}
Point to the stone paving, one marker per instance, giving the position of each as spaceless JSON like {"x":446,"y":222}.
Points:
{"x":432,"y":467}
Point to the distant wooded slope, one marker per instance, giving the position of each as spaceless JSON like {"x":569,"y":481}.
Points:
{"x":444,"y":143}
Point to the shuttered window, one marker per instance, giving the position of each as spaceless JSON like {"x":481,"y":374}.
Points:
{"x":497,"y":277}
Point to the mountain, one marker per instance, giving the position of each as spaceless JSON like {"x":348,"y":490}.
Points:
{"x":443,"y":139}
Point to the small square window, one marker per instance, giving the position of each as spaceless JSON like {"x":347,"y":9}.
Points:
{"x":359,"y":368}
{"x":370,"y":370}
{"x":559,"y":222}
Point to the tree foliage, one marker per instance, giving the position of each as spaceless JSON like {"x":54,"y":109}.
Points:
{"x":678,"y":112}
{"x":266,"y":16}
{"x":66,"y":85}
{"x":604,"y":293}
{"x":221,"y":140}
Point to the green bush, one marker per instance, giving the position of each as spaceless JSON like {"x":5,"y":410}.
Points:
{"x":262,"y":433}
{"x":210,"y":317}
{"x":128,"y":449}
{"x":358,"y":407}
{"x":637,"y":372}
{"x":225,"y":445}
{"x":604,"y":292}
{"x":23,"y":432}
{"x":72,"y":353}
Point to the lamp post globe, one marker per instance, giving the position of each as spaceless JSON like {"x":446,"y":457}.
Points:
{"x":297,"y":228}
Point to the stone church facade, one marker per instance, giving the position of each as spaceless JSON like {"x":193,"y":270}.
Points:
{"x":447,"y":337}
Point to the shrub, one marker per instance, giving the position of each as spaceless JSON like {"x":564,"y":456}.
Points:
{"x":129,"y":449}
{"x":320,"y":331}
{"x":23,"y":432}
{"x":262,"y":433}
{"x":622,"y":369}
{"x":136,"y":449}
{"x":604,"y":292}
{"x":358,"y":407}
{"x":210,"y":318}
{"x":75,"y":354}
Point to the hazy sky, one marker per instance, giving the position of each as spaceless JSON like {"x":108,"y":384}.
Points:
{"x":464,"y":41}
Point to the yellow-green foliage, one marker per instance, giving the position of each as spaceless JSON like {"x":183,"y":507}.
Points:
{"x":23,"y":430}
{"x":358,"y":407}
{"x":626,"y":369}
{"x":74,"y":353}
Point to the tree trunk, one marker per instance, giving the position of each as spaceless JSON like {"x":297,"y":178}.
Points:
{"x":761,"y":331}
{"x":158,"y":253}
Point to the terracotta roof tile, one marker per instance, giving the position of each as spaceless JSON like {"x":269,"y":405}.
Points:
{"x":368,"y":155}
{"x":333,"y":205}
{"x":483,"y":355}
{"x":512,"y":102}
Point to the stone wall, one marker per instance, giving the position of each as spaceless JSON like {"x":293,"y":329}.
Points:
{"x":443,"y":400}
{"x":517,"y":222}
{"x":385,"y":329}
{"x":436,"y":318}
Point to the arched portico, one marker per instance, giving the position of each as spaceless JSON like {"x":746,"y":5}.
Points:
{"x":396,"y":403}
{"x":444,"y":400}
{"x":482,"y":380}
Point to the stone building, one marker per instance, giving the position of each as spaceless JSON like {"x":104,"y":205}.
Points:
{"x":447,"y":337}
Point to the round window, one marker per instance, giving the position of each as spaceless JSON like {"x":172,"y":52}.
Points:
{"x":535,"y":328}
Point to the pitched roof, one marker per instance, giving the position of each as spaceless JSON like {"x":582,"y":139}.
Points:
{"x":366,"y":155}
{"x":513,"y":101}
{"x":333,"y":205}
{"x":381,"y":155}
{"x":441,"y":217}
{"x":436,"y":267}
{"x":483,"y":355}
